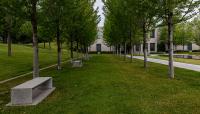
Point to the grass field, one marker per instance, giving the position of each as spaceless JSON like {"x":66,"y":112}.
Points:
{"x":108,"y":85}
{"x":190,"y":53}
{"x":21,"y":61}
{"x":190,"y":61}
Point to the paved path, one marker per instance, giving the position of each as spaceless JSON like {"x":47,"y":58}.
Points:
{"x":165,"y":62}
{"x":29,"y":73}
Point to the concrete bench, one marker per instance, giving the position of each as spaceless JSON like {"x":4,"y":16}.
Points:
{"x":86,"y":57}
{"x":77,"y":63}
{"x":31,"y":92}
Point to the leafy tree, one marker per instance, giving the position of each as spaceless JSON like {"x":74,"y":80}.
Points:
{"x":148,"y":16}
{"x":11,"y":11}
{"x":30,"y":8}
{"x":25,"y":33}
{"x":182,"y":35}
{"x":175,"y":11}
{"x":196,"y":30}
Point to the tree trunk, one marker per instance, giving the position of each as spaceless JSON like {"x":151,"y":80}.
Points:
{"x":87,"y":54}
{"x":120,"y":50}
{"x":49,"y":45}
{"x":144,"y":45}
{"x":117,"y":50}
{"x":77,"y":49}
{"x":35,"y":40}
{"x":170,"y":41}
{"x":72,"y":55}
{"x":58,"y":46}
{"x":124,"y":51}
{"x":113,"y":50}
{"x":44,"y":45}
{"x":9,"y":42}
{"x":130,"y":35}
{"x":131,"y":52}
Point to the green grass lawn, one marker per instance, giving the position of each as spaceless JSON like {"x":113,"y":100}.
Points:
{"x":108,"y":85}
{"x":21,"y":61}
{"x":190,"y":53}
{"x":190,"y":61}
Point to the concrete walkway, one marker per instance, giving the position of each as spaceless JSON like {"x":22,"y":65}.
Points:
{"x":165,"y":62}
{"x":29,"y":73}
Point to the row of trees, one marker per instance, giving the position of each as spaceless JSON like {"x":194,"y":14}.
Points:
{"x":130,"y":21}
{"x":70,"y":21}
{"x":184,"y":33}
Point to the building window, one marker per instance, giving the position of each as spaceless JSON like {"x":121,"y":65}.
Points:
{"x":153,"y":34}
{"x":152,"y":46}
{"x":98,"y":47}
{"x":138,"y":47}
{"x":190,"y":46}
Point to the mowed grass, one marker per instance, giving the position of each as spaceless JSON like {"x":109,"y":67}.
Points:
{"x":21,"y":60}
{"x":108,"y":85}
{"x":190,"y":61}
{"x":190,"y":53}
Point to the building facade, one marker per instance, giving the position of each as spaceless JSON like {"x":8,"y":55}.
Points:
{"x":152,"y":44}
{"x":100,"y":45}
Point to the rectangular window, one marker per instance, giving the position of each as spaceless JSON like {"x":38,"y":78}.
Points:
{"x":137,"y":47}
{"x":98,"y":46}
{"x":152,"y":46}
{"x":153,"y":34}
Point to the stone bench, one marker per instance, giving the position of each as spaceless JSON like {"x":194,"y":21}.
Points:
{"x":86,"y":57}
{"x":77,"y":63}
{"x":31,"y":92}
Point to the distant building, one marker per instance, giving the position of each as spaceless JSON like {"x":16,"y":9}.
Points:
{"x":189,"y":47}
{"x":152,"y":44}
{"x":100,"y":45}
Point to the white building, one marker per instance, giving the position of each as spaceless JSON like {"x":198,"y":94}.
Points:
{"x":152,"y":44}
{"x":100,"y":45}
{"x":189,"y":47}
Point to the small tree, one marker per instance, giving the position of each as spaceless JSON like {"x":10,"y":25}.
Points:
{"x":196,"y":30}
{"x":175,"y":11}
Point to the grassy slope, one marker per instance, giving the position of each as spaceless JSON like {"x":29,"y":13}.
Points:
{"x":21,"y":61}
{"x":190,"y":61}
{"x":108,"y":85}
{"x":191,"y":53}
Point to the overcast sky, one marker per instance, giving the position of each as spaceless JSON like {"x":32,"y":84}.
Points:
{"x":100,"y":4}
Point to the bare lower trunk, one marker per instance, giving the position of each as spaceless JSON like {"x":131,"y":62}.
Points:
{"x":49,"y":45}
{"x":35,"y":40}
{"x":87,"y":54}
{"x":117,"y":50}
{"x":144,"y":45}
{"x":170,"y":40}
{"x":44,"y":45}
{"x":9,"y":41}
{"x":113,"y":50}
{"x":77,"y":49}
{"x":120,"y":50}
{"x":131,"y":52}
{"x":124,"y":51}
{"x":72,"y":55}
{"x":58,"y":47}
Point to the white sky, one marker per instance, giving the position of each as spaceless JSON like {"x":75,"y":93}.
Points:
{"x":100,"y":4}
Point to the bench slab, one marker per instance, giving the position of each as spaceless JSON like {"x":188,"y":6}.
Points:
{"x":77,"y":63}
{"x":31,"y":92}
